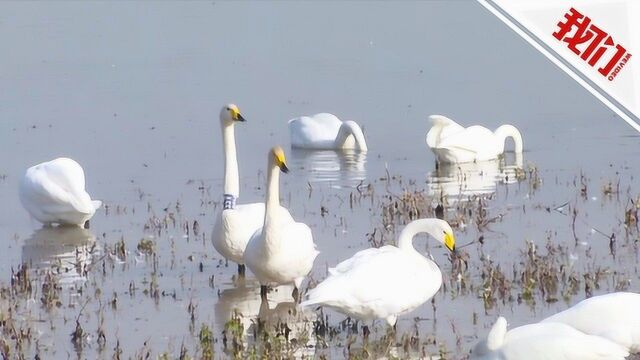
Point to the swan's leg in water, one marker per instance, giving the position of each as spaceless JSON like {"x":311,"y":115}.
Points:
{"x":296,"y":295}
{"x":263,"y":292}
{"x":365,"y":332}
{"x":86,"y":224}
{"x":241,"y":270}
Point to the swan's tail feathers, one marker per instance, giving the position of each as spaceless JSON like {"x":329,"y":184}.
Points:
{"x":327,"y":292}
{"x":96,"y":204}
{"x":440,"y":120}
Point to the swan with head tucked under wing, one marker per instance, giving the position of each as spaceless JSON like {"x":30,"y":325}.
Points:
{"x":614,"y":316}
{"x":236,"y":223}
{"x":53,"y":192}
{"x":383,"y":283}
{"x":452,"y":143}
{"x":544,"y":341}
{"x":326,"y":132}
{"x":283,"y":251}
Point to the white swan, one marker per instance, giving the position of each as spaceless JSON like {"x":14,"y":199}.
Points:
{"x":326,"y":132}
{"x":544,"y":341}
{"x":452,"y":143}
{"x":385,"y":282}
{"x":53,"y":193}
{"x":282,"y":252}
{"x":236,"y":223}
{"x":613,"y":316}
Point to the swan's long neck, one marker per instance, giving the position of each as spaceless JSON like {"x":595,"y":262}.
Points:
{"x":231,"y":177}
{"x":498,"y":331}
{"x":405,"y":241}
{"x":506,"y":131}
{"x":273,"y":193}
{"x":350,"y":128}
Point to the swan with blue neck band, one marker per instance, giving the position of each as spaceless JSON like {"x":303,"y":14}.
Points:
{"x":236,"y":222}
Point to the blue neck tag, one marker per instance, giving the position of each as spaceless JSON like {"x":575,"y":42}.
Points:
{"x":228,"y":201}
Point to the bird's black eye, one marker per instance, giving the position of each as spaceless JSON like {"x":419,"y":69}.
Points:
{"x":228,"y":109}
{"x":444,"y":231}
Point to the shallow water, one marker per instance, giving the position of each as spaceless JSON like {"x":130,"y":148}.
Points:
{"x":132,"y":92}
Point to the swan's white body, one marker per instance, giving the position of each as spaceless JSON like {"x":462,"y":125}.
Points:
{"x":386,"y":282}
{"x":613,"y":316}
{"x":545,"y":341}
{"x":452,"y":143}
{"x":235,"y":224}
{"x":283,"y":251}
{"x":326,"y":132}
{"x":54,"y":192}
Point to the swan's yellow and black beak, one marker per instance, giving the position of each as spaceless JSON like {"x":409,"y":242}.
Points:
{"x":235,"y":114}
{"x":449,"y":241}
{"x":280,"y":160}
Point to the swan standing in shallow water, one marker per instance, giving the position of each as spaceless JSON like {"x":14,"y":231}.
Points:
{"x":452,"y":143}
{"x":382,"y":283}
{"x":326,"y":132}
{"x":54,"y":192}
{"x":282,"y":252}
{"x":613,"y":316}
{"x":236,"y":223}
{"x":544,"y":341}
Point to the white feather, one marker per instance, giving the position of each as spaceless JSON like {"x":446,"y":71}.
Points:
{"x":383,"y":283}
{"x":545,"y":341}
{"x":325,"y":132}
{"x":613,"y":316}
{"x":54,"y":192}
{"x":452,"y":143}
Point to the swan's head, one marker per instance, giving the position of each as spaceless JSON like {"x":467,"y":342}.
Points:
{"x":229,"y":114}
{"x":277,"y":156}
{"x":448,"y":239}
{"x":437,"y":228}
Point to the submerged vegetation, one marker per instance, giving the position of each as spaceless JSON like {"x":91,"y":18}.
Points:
{"x":158,"y":275}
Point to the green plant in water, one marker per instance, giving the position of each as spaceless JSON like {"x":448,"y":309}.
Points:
{"x":206,"y":342}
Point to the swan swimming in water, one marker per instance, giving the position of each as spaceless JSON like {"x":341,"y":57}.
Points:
{"x":613,"y":316}
{"x":383,"y":283}
{"x":283,"y":251}
{"x":544,"y":341}
{"x":326,"y":132}
{"x":54,"y":192}
{"x":452,"y":143}
{"x":236,"y":223}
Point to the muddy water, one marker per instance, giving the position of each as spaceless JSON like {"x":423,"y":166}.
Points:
{"x":132,"y":91}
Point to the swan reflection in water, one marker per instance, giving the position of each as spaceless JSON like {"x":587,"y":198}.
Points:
{"x":244,"y":303}
{"x":341,"y":169}
{"x":459,"y":182}
{"x":66,"y":251}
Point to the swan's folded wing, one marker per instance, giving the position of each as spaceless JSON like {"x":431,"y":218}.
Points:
{"x":319,"y":128}
{"x":441,"y":127}
{"x":474,"y":139}
{"x":621,"y":311}
{"x":38,"y":188}
{"x":558,"y":342}
{"x":381,"y":280}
